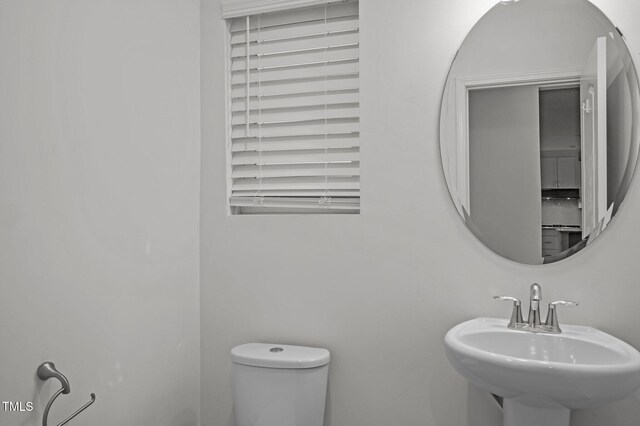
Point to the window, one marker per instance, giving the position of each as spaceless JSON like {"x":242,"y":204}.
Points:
{"x":294,"y":111}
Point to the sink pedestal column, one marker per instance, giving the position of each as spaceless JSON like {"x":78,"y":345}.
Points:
{"x":516,"y":414}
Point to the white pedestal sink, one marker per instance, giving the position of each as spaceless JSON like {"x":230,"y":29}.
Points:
{"x":543,"y":376}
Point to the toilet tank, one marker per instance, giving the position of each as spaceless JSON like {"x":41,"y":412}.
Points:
{"x":279,"y":385}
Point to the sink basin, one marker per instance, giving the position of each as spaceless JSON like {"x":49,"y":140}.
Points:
{"x":544,"y":374}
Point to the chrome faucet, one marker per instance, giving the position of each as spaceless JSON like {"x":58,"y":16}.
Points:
{"x":533,"y":323}
{"x":535,"y":296}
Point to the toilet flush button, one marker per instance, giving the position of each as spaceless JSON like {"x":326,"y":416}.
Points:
{"x":275,"y":350}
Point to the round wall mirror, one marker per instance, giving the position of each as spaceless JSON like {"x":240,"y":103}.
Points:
{"x":539,"y":128}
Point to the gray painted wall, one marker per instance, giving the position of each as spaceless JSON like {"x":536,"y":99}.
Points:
{"x":99,"y":179}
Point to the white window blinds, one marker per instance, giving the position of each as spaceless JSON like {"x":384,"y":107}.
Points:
{"x":294,"y":99}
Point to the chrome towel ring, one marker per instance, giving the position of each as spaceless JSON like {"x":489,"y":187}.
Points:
{"x":46,"y":371}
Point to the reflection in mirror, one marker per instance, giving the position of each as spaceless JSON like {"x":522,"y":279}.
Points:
{"x":538,"y":128}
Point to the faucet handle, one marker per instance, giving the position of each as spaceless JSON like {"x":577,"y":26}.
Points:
{"x":563,"y":303}
{"x":516,"y":313}
{"x":552,"y":318}
{"x":506,"y":298}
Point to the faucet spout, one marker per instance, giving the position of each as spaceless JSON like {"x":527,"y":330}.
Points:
{"x":535,"y":296}
{"x":535,"y":292}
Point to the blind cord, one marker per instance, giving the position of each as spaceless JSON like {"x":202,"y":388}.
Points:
{"x":248,"y":70}
{"x":325,"y":200}
{"x":259,"y":198}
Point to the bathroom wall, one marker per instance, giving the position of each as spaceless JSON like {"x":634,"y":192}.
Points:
{"x":99,"y":187}
{"x":380,"y":289}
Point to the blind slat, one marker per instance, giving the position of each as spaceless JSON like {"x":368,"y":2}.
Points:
{"x":293,"y":170}
{"x":284,"y":115}
{"x":295,"y":157}
{"x":296,"y":129}
{"x":297,"y":16}
{"x":296,"y":143}
{"x":298,"y":87}
{"x":318,"y":41}
{"x":272,"y":62}
{"x":298,"y":193}
{"x":295,"y":31}
{"x":318,"y":70}
{"x":300,"y":100}
{"x":300,"y":183}
{"x":298,"y":203}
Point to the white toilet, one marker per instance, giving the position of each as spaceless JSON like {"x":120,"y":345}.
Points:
{"x":279,"y":385}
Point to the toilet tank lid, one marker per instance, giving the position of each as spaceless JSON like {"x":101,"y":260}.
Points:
{"x":279,"y":356}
